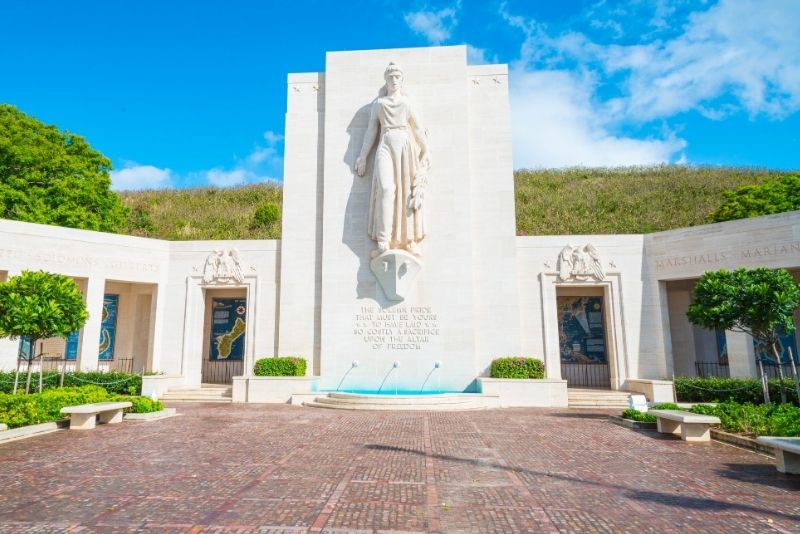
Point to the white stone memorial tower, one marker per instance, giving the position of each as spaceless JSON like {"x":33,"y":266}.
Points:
{"x":426,"y":317}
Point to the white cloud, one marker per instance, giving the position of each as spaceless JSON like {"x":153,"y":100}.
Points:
{"x":737,"y":55}
{"x":435,"y":26}
{"x":262,"y":164}
{"x":228,"y":178}
{"x":223,"y":178}
{"x":137,"y":177}
{"x":272,"y":138}
{"x":746,"y":49}
{"x":556,"y":124}
{"x":479,"y":56}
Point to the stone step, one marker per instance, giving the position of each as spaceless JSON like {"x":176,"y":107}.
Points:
{"x":190,"y":399}
{"x":597,"y":398}
{"x":598,"y":392}
{"x":598,"y":405}
{"x":319,"y":403}
{"x":379,"y":402}
{"x":349,"y":401}
{"x":402,"y":399}
{"x":201,"y":394}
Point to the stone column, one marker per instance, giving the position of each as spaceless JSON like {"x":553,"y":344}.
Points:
{"x":90,"y":336}
{"x":552,"y":351}
{"x":156,"y":327}
{"x":741,"y":355}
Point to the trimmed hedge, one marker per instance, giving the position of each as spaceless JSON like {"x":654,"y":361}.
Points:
{"x":741,"y":390}
{"x":21,"y":410}
{"x":113,"y":381}
{"x":636,"y":415}
{"x":517,"y":367}
{"x":280,"y":366}
{"x":747,"y":418}
{"x":755,"y":419}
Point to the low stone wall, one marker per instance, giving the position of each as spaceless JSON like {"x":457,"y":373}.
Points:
{"x":522,"y":392}
{"x":271,"y":389}
{"x":653,"y":390}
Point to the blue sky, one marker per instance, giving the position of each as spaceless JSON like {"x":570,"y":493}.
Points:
{"x":194,"y":93}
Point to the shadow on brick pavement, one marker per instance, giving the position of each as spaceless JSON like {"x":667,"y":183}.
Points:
{"x":264,"y":468}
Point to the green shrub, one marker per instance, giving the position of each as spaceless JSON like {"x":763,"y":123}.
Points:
{"x":774,"y":196}
{"x":755,"y":419}
{"x":21,"y":410}
{"x":636,"y":415}
{"x":280,"y":366}
{"x":139,"y":404}
{"x":517,"y":367}
{"x":266,"y":215}
{"x":665,"y":406}
{"x":741,"y":390}
{"x":113,"y":382}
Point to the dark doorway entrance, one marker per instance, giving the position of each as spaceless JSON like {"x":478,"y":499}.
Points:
{"x":582,"y":341}
{"x":224,"y":358}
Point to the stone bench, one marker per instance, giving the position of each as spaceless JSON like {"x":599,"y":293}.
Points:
{"x":787,"y":453}
{"x":689,"y":426}
{"x":83,"y":417}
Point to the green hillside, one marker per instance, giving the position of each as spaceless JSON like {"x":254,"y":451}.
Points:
{"x":202,"y":213}
{"x":548,"y":202}
{"x":625,"y":200}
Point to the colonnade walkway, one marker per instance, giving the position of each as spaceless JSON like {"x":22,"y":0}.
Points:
{"x":251,"y":468}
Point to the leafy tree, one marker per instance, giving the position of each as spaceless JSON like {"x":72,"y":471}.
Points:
{"x":774,"y":196}
{"x":755,"y":301}
{"x":52,"y":177}
{"x":38,"y":305}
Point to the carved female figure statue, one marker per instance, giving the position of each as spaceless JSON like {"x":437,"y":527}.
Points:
{"x":401,"y":168}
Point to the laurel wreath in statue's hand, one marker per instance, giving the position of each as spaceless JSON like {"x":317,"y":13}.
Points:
{"x":415,"y":200}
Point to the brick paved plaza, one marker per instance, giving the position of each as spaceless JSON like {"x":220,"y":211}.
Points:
{"x":251,"y":468}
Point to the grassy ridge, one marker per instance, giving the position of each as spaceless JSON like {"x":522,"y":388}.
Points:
{"x":627,"y":200}
{"x":548,"y":202}
{"x":202,"y":213}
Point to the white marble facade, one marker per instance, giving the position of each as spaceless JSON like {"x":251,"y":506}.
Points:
{"x":480,"y":292}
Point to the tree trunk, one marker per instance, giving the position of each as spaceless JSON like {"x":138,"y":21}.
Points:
{"x":794,"y":375}
{"x":41,"y":367}
{"x":764,"y":381}
{"x":16,"y":375}
{"x":31,"y":350}
{"x":780,"y":370}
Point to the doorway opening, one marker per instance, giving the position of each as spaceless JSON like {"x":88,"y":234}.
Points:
{"x":582,"y":337}
{"x":224,"y":335}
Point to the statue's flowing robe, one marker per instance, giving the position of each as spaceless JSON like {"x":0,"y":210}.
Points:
{"x":394,"y":176}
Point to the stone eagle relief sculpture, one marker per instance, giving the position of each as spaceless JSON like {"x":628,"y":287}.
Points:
{"x":223,"y":267}
{"x":399,"y":178}
{"x":580,"y":263}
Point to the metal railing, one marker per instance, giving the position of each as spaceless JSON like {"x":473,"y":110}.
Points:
{"x":49,"y":363}
{"x":221,"y":371}
{"x":591,"y":375}
{"x":712,"y":369}
{"x":60,"y":364}
{"x":120,"y":365}
{"x":771,"y":370}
